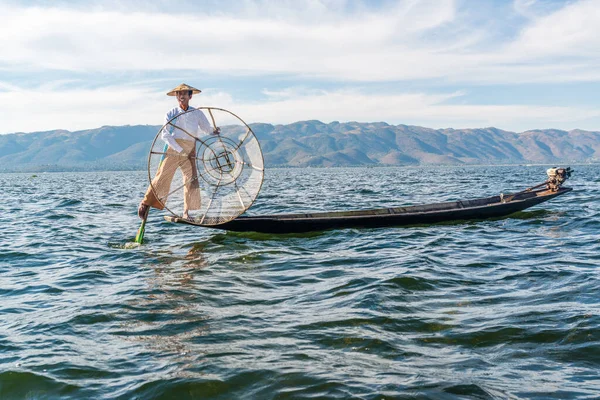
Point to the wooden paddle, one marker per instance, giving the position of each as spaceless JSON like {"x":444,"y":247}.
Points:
{"x":139,"y":238}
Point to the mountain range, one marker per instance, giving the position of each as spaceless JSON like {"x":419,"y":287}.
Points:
{"x":308,"y":143}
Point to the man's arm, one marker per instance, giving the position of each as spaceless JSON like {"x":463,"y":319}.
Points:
{"x":206,"y":127}
{"x":167,"y":137}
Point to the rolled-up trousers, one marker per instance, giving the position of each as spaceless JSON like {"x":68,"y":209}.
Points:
{"x":158,"y":192}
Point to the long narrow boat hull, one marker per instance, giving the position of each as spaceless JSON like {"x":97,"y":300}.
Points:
{"x":489,"y":207}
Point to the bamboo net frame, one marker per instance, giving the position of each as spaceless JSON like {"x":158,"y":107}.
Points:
{"x":216,"y":178}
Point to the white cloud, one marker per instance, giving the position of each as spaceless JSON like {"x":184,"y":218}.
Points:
{"x":82,"y":109}
{"x":525,"y":8}
{"x":370,"y":46}
{"x":49,"y":108}
{"x":331,"y":40}
{"x":417,"y":39}
{"x":573,"y":31}
{"x":430,"y":110}
{"x":421,"y":15}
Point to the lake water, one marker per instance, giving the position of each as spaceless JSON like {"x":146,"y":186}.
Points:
{"x":507,"y":308}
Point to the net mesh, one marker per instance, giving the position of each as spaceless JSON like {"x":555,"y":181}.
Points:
{"x":215,"y":177}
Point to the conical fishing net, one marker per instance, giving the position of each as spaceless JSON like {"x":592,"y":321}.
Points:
{"x":215,"y":177}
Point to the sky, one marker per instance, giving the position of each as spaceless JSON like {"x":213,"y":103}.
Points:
{"x":515,"y":65}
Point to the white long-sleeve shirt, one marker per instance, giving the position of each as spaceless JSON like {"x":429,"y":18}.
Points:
{"x":193,"y":122}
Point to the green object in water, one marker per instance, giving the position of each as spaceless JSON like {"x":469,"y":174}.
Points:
{"x":139,"y":238}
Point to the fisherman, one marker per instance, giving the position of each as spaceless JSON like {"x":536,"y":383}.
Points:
{"x":182,"y":127}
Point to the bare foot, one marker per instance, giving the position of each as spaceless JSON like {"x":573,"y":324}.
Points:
{"x":186,"y":215}
{"x":143,"y":210}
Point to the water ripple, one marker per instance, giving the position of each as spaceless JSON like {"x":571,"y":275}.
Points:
{"x":503,"y":308}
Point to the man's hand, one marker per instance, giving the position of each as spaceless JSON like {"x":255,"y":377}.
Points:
{"x":217,"y":131}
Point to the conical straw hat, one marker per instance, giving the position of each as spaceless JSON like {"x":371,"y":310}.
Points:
{"x":183,"y":87}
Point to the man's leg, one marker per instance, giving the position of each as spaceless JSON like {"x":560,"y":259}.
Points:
{"x":157,"y":193}
{"x":191,"y":189}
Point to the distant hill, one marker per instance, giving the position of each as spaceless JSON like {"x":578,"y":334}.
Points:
{"x":308,"y":143}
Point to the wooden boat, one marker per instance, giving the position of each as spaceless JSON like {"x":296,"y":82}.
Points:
{"x":476,"y":209}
